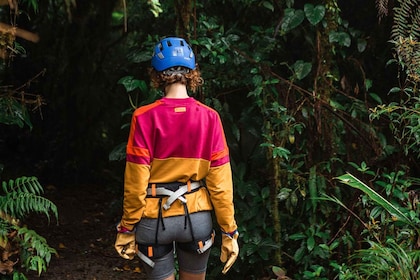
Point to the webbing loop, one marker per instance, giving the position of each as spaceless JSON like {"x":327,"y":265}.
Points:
{"x":154,"y":191}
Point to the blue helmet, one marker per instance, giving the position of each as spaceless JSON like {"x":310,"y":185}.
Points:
{"x":172,"y":51}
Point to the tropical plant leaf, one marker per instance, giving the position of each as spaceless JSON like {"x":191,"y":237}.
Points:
{"x":14,"y":113}
{"x":342,"y":38}
{"x":22,"y":196}
{"x":130,"y":84}
{"x":302,"y":69}
{"x":292,"y":19}
{"x":314,"y":14}
{"x":354,"y":182}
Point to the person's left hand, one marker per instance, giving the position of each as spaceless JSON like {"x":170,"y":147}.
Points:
{"x":125,"y":244}
{"x":230,"y":250}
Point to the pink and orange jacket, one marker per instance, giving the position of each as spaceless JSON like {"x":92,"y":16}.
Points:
{"x":176,"y":140}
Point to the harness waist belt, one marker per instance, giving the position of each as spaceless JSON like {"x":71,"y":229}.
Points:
{"x":173,"y":195}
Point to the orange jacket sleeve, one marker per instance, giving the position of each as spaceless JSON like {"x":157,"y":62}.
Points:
{"x":220,"y":187}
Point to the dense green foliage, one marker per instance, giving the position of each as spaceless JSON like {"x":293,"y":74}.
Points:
{"x":18,"y":199}
{"x":21,"y":248}
{"x":307,"y":90}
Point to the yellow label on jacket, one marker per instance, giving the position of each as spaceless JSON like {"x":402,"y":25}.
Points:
{"x":180,"y":109}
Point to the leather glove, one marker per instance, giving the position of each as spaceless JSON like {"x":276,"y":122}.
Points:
{"x":230,"y":249}
{"x":125,"y":244}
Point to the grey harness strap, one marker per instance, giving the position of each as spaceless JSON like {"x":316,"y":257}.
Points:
{"x":158,"y":190}
{"x":202,"y":247}
{"x":174,"y":195}
{"x":206,"y":244}
{"x":146,"y":259}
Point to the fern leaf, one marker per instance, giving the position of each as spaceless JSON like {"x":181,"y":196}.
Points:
{"x":39,"y":253}
{"x":4,"y":231}
{"x":415,"y":29}
{"x":382,"y":7}
{"x":20,"y":203}
{"x":405,"y":34}
{"x":4,"y":187}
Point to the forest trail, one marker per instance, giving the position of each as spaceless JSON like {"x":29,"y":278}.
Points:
{"x":84,"y":237}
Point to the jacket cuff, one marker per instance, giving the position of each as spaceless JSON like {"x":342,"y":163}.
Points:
{"x":231,"y":234}
{"x":122,"y":228}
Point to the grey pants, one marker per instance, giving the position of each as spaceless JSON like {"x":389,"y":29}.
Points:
{"x":176,"y":229}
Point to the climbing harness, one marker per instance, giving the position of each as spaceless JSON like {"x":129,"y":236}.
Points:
{"x":173,"y":191}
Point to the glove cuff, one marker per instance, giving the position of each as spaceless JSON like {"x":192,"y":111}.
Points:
{"x":122,"y":229}
{"x":231,"y":234}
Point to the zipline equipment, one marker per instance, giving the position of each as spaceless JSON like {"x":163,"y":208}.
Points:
{"x":173,"y":192}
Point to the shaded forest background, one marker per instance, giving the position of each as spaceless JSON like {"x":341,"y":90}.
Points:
{"x":307,"y":90}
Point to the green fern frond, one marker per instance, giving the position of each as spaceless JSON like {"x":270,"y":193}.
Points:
{"x":37,"y":253}
{"x":406,"y":20}
{"x":405,"y":35}
{"x":18,"y":198}
{"x":415,"y":31}
{"x":4,"y":230}
{"x":408,"y":51}
{"x":23,"y":196}
{"x":20,"y":205}
{"x":382,"y":7}
{"x":23,"y":184}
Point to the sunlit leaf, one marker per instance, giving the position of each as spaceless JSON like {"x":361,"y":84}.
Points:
{"x":353,"y":182}
{"x":284,"y":194}
{"x":278,"y":271}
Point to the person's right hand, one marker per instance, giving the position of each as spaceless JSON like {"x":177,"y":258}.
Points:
{"x":125,"y":244}
{"x":230,"y":249}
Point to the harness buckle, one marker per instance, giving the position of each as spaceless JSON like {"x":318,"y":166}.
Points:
{"x":198,"y":246}
{"x":149,"y":252}
{"x":202,"y":247}
{"x":173,"y":195}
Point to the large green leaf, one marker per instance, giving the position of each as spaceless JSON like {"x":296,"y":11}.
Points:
{"x":314,"y":14}
{"x":292,"y":19}
{"x":353,"y":182}
{"x":130,"y":84}
{"x":302,"y":69}
{"x":12,"y":112}
{"x":342,"y":38}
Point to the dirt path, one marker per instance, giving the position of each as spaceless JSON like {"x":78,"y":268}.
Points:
{"x":85,"y":236}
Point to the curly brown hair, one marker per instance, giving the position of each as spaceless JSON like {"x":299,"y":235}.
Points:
{"x":192,"y":79}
